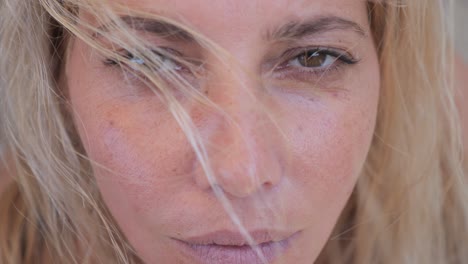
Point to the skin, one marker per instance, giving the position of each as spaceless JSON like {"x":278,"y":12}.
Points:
{"x":302,"y":177}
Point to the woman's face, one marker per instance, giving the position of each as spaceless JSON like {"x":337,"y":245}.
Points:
{"x":287,"y":152}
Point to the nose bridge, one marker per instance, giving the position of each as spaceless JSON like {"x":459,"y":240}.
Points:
{"x":241,"y":146}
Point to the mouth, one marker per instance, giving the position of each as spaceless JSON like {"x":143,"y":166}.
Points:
{"x":232,"y":248}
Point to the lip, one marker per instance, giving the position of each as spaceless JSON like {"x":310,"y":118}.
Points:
{"x":231,"y":247}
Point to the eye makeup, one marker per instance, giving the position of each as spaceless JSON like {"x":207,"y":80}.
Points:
{"x":307,"y":64}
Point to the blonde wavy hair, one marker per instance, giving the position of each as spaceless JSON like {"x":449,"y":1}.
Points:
{"x":410,"y":204}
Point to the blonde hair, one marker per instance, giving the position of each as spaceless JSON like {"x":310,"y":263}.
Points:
{"x":410,"y":203}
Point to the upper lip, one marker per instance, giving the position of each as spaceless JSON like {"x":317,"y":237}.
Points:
{"x":235,"y":238}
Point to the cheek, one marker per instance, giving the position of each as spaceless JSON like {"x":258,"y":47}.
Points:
{"x":331,"y":149}
{"x":139,"y":159}
{"x":329,"y":141}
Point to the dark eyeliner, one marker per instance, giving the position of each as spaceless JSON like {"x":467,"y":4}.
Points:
{"x":338,"y":54}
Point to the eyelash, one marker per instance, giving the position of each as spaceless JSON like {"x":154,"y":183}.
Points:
{"x":129,"y":56}
{"x":287,"y":69}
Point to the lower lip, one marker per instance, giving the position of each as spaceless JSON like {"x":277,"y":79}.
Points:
{"x":214,"y":254}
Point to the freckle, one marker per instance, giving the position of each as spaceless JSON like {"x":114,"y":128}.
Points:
{"x":300,"y":128}
{"x":111,"y":123}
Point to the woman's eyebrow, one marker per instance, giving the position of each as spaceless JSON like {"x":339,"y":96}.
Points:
{"x":301,"y":29}
{"x":155,"y":26}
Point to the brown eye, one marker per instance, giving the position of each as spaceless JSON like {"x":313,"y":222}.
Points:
{"x":315,"y":59}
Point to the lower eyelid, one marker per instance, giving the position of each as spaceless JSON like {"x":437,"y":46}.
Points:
{"x":303,"y":74}
{"x":137,"y":79}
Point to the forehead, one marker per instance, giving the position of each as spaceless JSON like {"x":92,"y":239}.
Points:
{"x":241,"y":15}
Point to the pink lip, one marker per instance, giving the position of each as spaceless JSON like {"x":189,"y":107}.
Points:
{"x":231,"y":247}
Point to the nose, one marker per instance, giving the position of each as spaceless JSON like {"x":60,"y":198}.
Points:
{"x":244,"y":147}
